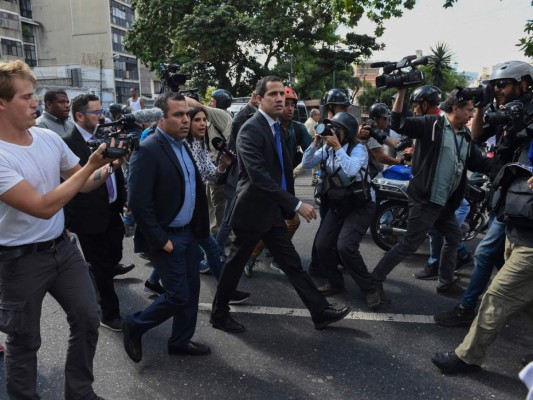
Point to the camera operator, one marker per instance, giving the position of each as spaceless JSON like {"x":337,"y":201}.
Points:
{"x":95,"y":217}
{"x":36,"y":257}
{"x":512,"y":80}
{"x":443,"y":153}
{"x":344,"y":162}
{"x":219,"y":126}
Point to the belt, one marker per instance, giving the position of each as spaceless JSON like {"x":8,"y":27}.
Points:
{"x":34,"y":247}
{"x":179,"y":229}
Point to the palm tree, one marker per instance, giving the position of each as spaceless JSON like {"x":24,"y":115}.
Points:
{"x":439,"y":66}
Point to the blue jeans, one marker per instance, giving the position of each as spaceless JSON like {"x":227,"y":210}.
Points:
{"x":212,"y":253}
{"x":489,"y":254}
{"x":180,"y":277}
{"x":436,"y":240}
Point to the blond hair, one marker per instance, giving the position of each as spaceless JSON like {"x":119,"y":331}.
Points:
{"x":10,"y":70}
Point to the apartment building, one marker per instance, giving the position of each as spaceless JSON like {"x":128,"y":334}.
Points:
{"x":76,"y":45}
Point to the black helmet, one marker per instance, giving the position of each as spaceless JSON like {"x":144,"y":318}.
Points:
{"x":430,"y":94}
{"x":115,"y":108}
{"x":346,"y":121}
{"x":512,"y":70}
{"x":223,"y":98}
{"x":126,"y":110}
{"x":378,"y":110}
{"x":337,"y":96}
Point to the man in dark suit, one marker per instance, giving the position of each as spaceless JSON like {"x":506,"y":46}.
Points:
{"x":263,"y":201}
{"x":168,"y":201}
{"x":96,"y":216}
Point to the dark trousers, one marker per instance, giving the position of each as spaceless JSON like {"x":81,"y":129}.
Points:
{"x":422,"y":217}
{"x":103,"y":251}
{"x":180,"y":276}
{"x":24,"y":282}
{"x":345,"y":234}
{"x":278,"y":242}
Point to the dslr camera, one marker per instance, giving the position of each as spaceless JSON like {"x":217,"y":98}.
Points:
{"x":510,"y":117}
{"x":130,"y":141}
{"x":400,"y":74}
{"x":326,"y":129}
{"x":480,"y":96}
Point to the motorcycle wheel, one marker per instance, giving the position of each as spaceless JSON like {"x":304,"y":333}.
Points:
{"x":476,"y":225}
{"x":389,"y":213}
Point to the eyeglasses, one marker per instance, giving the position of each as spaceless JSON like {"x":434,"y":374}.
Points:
{"x":94,"y":112}
{"x":500,"y":84}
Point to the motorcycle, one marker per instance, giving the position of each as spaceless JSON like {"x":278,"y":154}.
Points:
{"x":390,"y":220}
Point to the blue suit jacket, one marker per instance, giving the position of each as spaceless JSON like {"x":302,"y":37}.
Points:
{"x":156,"y":191}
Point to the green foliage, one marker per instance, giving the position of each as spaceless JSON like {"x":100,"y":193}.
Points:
{"x":231,"y":44}
{"x":439,"y":71}
{"x":373,"y":95}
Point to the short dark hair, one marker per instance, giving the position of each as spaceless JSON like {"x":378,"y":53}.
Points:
{"x":261,"y":86}
{"x":162,"y":101}
{"x":453,"y":100}
{"x":79,"y":103}
{"x":50,"y":95}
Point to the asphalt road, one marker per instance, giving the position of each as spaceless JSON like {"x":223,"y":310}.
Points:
{"x":384,"y":355}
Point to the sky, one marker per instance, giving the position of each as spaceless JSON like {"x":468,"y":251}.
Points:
{"x":481,"y":33}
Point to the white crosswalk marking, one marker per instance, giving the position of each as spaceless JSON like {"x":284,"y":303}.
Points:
{"x":302,"y":312}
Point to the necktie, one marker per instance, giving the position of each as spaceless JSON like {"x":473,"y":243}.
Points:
{"x":108,"y":181}
{"x":280,"y":154}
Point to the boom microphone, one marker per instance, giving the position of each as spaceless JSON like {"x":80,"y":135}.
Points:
{"x":144,"y":116}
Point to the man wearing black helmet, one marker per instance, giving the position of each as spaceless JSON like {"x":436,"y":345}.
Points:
{"x":442,"y":156}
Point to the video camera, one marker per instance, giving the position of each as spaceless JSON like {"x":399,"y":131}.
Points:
{"x":105,"y":132}
{"x":173,"y":79}
{"x":400,"y":74}
{"x":480,"y":96}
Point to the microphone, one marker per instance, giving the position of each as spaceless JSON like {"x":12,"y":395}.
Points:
{"x":220,"y":145}
{"x":143,"y":116}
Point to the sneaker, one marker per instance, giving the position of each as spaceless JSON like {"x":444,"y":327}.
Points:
{"x":459,"y":316}
{"x":450,"y":289}
{"x":114,"y":324}
{"x":249,"y":267}
{"x":275,"y":267}
{"x":429,"y":273}
{"x":462,"y":263}
{"x":381,"y":293}
{"x":204,"y":267}
{"x":153,"y":287}
{"x":239,"y":296}
{"x":372,"y":300}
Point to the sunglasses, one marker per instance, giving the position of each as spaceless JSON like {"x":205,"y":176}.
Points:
{"x":502,"y":83}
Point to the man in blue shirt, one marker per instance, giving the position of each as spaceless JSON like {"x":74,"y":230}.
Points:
{"x":168,"y":201}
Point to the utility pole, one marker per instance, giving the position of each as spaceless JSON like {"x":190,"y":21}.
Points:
{"x":101,"y":80}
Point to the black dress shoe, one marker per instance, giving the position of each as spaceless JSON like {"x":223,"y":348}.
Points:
{"x":132,"y":343}
{"x":328,"y":316}
{"x":449,"y":363}
{"x":527,"y":359}
{"x":189,"y":347}
{"x":226,"y":324}
{"x":121,"y":269}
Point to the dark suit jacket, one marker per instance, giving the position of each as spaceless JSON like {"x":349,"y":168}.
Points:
{"x":259,"y":201}
{"x":156,"y":191}
{"x":90,"y":213}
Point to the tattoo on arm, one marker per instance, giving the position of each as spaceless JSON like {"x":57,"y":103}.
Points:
{"x":97,"y":175}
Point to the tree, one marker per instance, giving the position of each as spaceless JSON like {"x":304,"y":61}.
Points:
{"x":439,"y":71}
{"x":231,"y":44}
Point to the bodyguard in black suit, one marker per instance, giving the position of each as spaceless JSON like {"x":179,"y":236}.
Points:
{"x":96,"y":216}
{"x":168,"y":201}
{"x":263,"y":201}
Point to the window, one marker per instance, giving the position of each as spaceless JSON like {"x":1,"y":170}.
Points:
{"x":126,"y":68}
{"x":118,"y":39}
{"x":121,"y":15}
{"x":123,"y":90}
{"x":9,"y":21}
{"x":30,"y":56}
{"x":11,"y":48}
{"x":25,"y":9}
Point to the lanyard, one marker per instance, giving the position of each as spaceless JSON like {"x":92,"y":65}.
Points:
{"x":458,"y":147}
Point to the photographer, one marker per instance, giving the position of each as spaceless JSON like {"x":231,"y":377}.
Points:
{"x":442,"y":156}
{"x":96,"y":216}
{"x":512,"y":80}
{"x":344,"y":162}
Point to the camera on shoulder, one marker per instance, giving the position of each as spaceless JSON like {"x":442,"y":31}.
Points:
{"x":117,"y":130}
{"x":403,"y":73}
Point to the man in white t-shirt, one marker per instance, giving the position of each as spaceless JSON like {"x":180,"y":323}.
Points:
{"x":135,"y":102}
{"x":35,"y":256}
